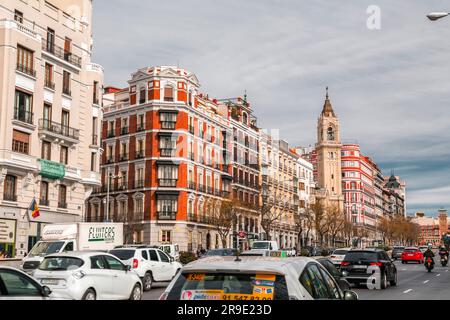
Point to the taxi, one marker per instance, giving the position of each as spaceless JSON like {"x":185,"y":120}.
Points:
{"x":255,"y":278}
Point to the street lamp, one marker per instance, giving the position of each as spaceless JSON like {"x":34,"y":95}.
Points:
{"x":437,"y":15}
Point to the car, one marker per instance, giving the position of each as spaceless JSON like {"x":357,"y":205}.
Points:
{"x":371,"y":267}
{"x":220,"y":252}
{"x":172,"y":250}
{"x":412,"y":254}
{"x":423,"y":248}
{"x":150,"y":263}
{"x":334,"y":272}
{"x":314,"y":251}
{"x":397,"y":252}
{"x":255,"y":278}
{"x":338,"y":255}
{"x":17,"y":285}
{"x":88,"y":276}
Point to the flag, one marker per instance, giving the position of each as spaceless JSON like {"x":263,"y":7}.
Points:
{"x":34,"y":209}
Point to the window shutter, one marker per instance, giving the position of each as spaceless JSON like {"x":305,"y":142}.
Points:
{"x":21,"y":136}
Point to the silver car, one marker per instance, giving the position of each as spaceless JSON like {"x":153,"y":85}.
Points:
{"x":17,"y":285}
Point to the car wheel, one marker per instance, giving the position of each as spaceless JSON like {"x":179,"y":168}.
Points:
{"x":89,"y":295}
{"x":383,"y":280}
{"x":394,"y":282}
{"x":136,"y":293}
{"x":147,"y":281}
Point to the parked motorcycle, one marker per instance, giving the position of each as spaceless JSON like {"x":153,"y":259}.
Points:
{"x":429,"y":264}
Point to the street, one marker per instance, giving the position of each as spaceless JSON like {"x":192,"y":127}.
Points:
{"x":415,"y":283}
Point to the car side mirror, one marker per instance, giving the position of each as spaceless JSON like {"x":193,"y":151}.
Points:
{"x":172,"y":259}
{"x":350,"y":295}
{"x":127,"y":268}
{"x":46,"y":291}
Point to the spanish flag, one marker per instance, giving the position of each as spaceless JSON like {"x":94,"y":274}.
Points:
{"x":34,"y":209}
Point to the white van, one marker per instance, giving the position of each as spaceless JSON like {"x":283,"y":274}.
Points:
{"x":171,"y":249}
{"x":57,"y":238}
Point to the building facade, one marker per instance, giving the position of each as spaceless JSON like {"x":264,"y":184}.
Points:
{"x":431,"y":229}
{"x":49,"y":119}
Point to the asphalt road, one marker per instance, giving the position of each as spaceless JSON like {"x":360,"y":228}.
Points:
{"x":414,"y":283}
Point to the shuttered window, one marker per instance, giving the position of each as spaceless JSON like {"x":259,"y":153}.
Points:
{"x":168,"y":93}
{"x":21,"y":142}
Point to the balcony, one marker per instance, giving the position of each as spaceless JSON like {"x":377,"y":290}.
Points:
{"x":44,"y":202}
{"x":49,"y":84}
{"x":191,"y":156}
{"x":123,"y":157}
{"x":168,"y":183}
{"x":110,"y":134}
{"x":201,"y":188}
{"x":191,"y":185}
{"x":167,"y":215}
{"x":168,"y":125}
{"x":122,"y":186}
{"x":61,"y":53}
{"x":58,"y":131}
{"x":62,"y":205}
{"x":25,"y":69}
{"x":139,"y":154}
{"x":140,"y":127}
{"x":165,"y":152}
{"x":109,"y":160}
{"x":209,"y":190}
{"x":191,"y":129}
{"x":137,"y":216}
{"x":23,"y":115}
{"x":124,"y":130}
{"x":225,"y":194}
{"x":10,"y":197}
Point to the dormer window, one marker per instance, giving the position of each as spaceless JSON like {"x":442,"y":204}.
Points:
{"x":168,"y":93}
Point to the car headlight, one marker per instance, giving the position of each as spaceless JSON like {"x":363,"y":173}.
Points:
{"x":79,"y":274}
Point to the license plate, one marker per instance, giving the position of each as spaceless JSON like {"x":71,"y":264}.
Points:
{"x":410,"y":255}
{"x":359,"y":267}
{"x":50,"y":281}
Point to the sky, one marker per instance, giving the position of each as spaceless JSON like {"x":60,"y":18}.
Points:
{"x":389,"y":83}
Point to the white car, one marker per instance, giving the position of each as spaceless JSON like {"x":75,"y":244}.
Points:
{"x":151,"y":264}
{"x":17,"y":285}
{"x":255,"y":278}
{"x":88,"y":276}
{"x":338,"y":255}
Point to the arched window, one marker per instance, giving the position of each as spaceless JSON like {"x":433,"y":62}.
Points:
{"x":168,"y":93}
{"x":330,"y":134}
{"x":245,"y":118}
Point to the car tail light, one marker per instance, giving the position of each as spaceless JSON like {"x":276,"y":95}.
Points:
{"x":345,"y":263}
{"x":135,"y":263}
{"x":333,"y":257}
{"x":376,"y":264}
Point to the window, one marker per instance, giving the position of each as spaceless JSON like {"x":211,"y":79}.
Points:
{"x":141,"y":122}
{"x":166,"y":237}
{"x":168,"y":93}
{"x":67,"y":49}
{"x":50,"y":40}
{"x":93,"y":161}
{"x":142,"y":97}
{"x":167,"y":175}
{"x":46,"y":150}
{"x":62,"y":203}
{"x":95,"y":93}
{"x":98,"y":262}
{"x":44,"y":193}
{"x":66,"y":83}
{"x":10,"y":188}
{"x":153,"y":255}
{"x":330,"y":132}
{"x":167,"y":145}
{"x":25,"y":61}
{"x":64,"y":156}
{"x":167,"y":207}
{"x":124,"y":127}
{"x":49,"y":76}
{"x":18,"y":285}
{"x":23,"y":107}
{"x":113,"y":263}
{"x":18,"y":16}
{"x":140,"y":177}
{"x":47,"y":116}
{"x":144,"y":254}
{"x":21,"y":142}
{"x":65,"y":121}
{"x":162,"y":255}
{"x":316,"y":281}
{"x":168,"y":120}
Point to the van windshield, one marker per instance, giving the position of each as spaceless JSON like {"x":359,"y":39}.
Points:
{"x":229,"y":286}
{"x":260,"y":245}
{"x":44,"y":248}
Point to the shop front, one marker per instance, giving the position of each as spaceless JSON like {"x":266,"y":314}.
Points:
{"x":7,"y":238}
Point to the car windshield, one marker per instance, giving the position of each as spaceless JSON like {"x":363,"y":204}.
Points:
{"x":361,"y":255}
{"x":123,"y":254}
{"x":229,"y":286}
{"x":60,"y":264}
{"x":44,"y":248}
{"x":340,"y":252}
{"x":260,"y":245}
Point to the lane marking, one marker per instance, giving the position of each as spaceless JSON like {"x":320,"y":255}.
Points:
{"x":407,"y":291}
{"x":426,"y":281}
{"x":438,"y":275}
{"x":403,"y":269}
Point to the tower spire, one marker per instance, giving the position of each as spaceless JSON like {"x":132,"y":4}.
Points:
{"x":328,"y":108}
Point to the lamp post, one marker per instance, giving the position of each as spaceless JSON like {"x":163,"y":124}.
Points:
{"x":433,"y":16}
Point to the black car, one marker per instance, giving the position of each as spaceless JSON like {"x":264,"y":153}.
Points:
{"x":337,"y":275}
{"x":361,"y":266}
{"x":397,"y":252}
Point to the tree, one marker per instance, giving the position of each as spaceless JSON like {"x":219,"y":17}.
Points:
{"x":269,"y":216}
{"x":335,"y":220}
{"x":221,"y":216}
{"x":320,"y":223}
